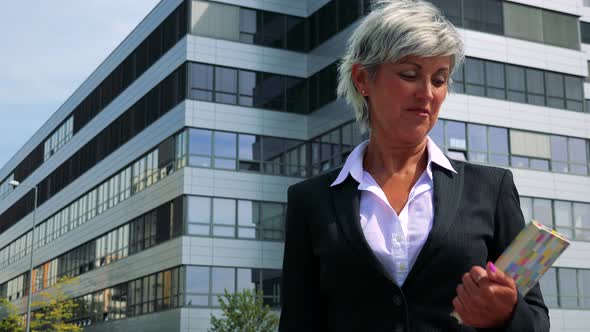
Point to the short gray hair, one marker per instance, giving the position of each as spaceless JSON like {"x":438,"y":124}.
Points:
{"x":395,"y":29}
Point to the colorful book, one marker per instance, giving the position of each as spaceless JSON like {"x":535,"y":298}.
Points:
{"x":530,"y":255}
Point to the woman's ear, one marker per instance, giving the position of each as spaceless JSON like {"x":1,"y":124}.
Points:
{"x":360,"y":77}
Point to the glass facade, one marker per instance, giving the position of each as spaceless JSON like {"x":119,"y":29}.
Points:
{"x":571,"y":219}
{"x":566,"y":288}
{"x":519,"y":84}
{"x":262,"y":90}
{"x":245,"y":152}
{"x":270,"y":29}
{"x":235,"y":218}
{"x":183,"y":286}
{"x":59,"y":138}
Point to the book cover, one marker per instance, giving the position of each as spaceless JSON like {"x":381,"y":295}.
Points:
{"x":530,"y":255}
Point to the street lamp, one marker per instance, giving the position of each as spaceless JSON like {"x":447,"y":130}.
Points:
{"x":15,"y":184}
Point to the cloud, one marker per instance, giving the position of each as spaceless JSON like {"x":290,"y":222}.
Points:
{"x":49,"y":48}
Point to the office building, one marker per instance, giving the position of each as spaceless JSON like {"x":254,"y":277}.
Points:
{"x":162,"y":179}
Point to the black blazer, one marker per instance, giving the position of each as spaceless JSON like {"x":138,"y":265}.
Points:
{"x":333,"y":282}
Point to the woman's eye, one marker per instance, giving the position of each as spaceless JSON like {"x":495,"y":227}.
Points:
{"x":408,"y":74}
{"x":440,"y":81}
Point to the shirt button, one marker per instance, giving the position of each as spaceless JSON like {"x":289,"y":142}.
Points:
{"x":402,"y":267}
{"x":397,"y":300}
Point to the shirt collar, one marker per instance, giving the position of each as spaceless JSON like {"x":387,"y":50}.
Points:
{"x":354,"y":162}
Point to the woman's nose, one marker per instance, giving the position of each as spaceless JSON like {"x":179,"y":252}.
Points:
{"x":424,"y":91}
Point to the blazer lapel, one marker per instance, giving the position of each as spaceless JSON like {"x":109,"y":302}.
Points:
{"x":346,"y":199}
{"x":448,"y":187}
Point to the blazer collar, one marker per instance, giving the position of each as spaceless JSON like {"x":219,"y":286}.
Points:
{"x":448,"y":186}
{"x":346,"y":204}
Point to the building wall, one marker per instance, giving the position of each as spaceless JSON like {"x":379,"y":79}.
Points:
{"x":225,"y":252}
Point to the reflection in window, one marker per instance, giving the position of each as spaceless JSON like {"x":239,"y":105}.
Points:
{"x":582,"y":221}
{"x":548,"y":285}
{"x":251,"y":219}
{"x":271,"y":155}
{"x":226,"y":85}
{"x":483,"y":15}
{"x":568,"y":292}
{"x":205,"y":284}
{"x":201,"y":82}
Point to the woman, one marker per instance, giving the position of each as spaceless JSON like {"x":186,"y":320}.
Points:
{"x":401,"y":236}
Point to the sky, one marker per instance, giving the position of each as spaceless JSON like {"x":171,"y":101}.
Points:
{"x":47,"y":50}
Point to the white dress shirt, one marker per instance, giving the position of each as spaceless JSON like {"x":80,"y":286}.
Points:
{"x":395,"y":239}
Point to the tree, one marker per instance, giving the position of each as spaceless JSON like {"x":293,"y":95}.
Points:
{"x":55,"y":309}
{"x":10,"y":321}
{"x":244,"y":312}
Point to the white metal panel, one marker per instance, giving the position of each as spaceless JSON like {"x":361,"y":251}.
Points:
{"x":289,"y":7}
{"x":573,"y":7}
{"x":246,"y":120}
{"x":246,"y":56}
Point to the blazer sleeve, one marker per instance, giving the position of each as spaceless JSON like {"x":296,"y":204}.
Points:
{"x":300,"y":283}
{"x":530,"y":314}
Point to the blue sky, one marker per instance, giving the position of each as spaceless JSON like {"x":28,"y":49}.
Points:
{"x":48,"y":49}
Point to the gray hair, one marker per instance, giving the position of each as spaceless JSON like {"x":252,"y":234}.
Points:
{"x":395,"y":29}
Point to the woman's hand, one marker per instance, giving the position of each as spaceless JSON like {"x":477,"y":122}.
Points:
{"x":486,"y":298}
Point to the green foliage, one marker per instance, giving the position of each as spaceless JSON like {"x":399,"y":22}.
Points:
{"x":10,"y":321}
{"x":244,"y":312}
{"x":55,"y":309}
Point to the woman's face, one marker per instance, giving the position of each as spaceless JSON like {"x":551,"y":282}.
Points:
{"x":404,"y":97}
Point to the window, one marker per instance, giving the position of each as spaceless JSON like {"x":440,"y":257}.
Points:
{"x":474,"y":77}
{"x":223,"y":279}
{"x":271,"y":221}
{"x":225,"y":150}
{"x":585,"y":30}
{"x":458,"y":82}
{"x":540,"y":25}
{"x":197,"y":285}
{"x":247,"y":219}
{"x":200,"y":147}
{"x":578,"y":156}
{"x":247,"y":86}
{"x":559,"y":154}
{"x":253,"y":219}
{"x":455,"y":136}
{"x":249,"y":152}
{"x":535,"y":87}
{"x":226,"y":85}
{"x":59,"y":138}
{"x":495,"y":80}
{"x":560,"y":29}
{"x":201,"y":82}
{"x":548,"y":285}
{"x":478,"y":145}
{"x":523,"y":22}
{"x":224,"y":217}
{"x":563,"y":218}
{"x":568,"y":294}
{"x":198,"y":215}
{"x":582,"y":221}
{"x":574,"y":93}
{"x":483,"y":15}
{"x":555,"y":90}
{"x":451,"y":9}
{"x":498,"y":142}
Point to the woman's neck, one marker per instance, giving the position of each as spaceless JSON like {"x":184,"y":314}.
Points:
{"x":386,"y":157}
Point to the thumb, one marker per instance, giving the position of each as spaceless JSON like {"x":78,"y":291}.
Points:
{"x":498,"y":276}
